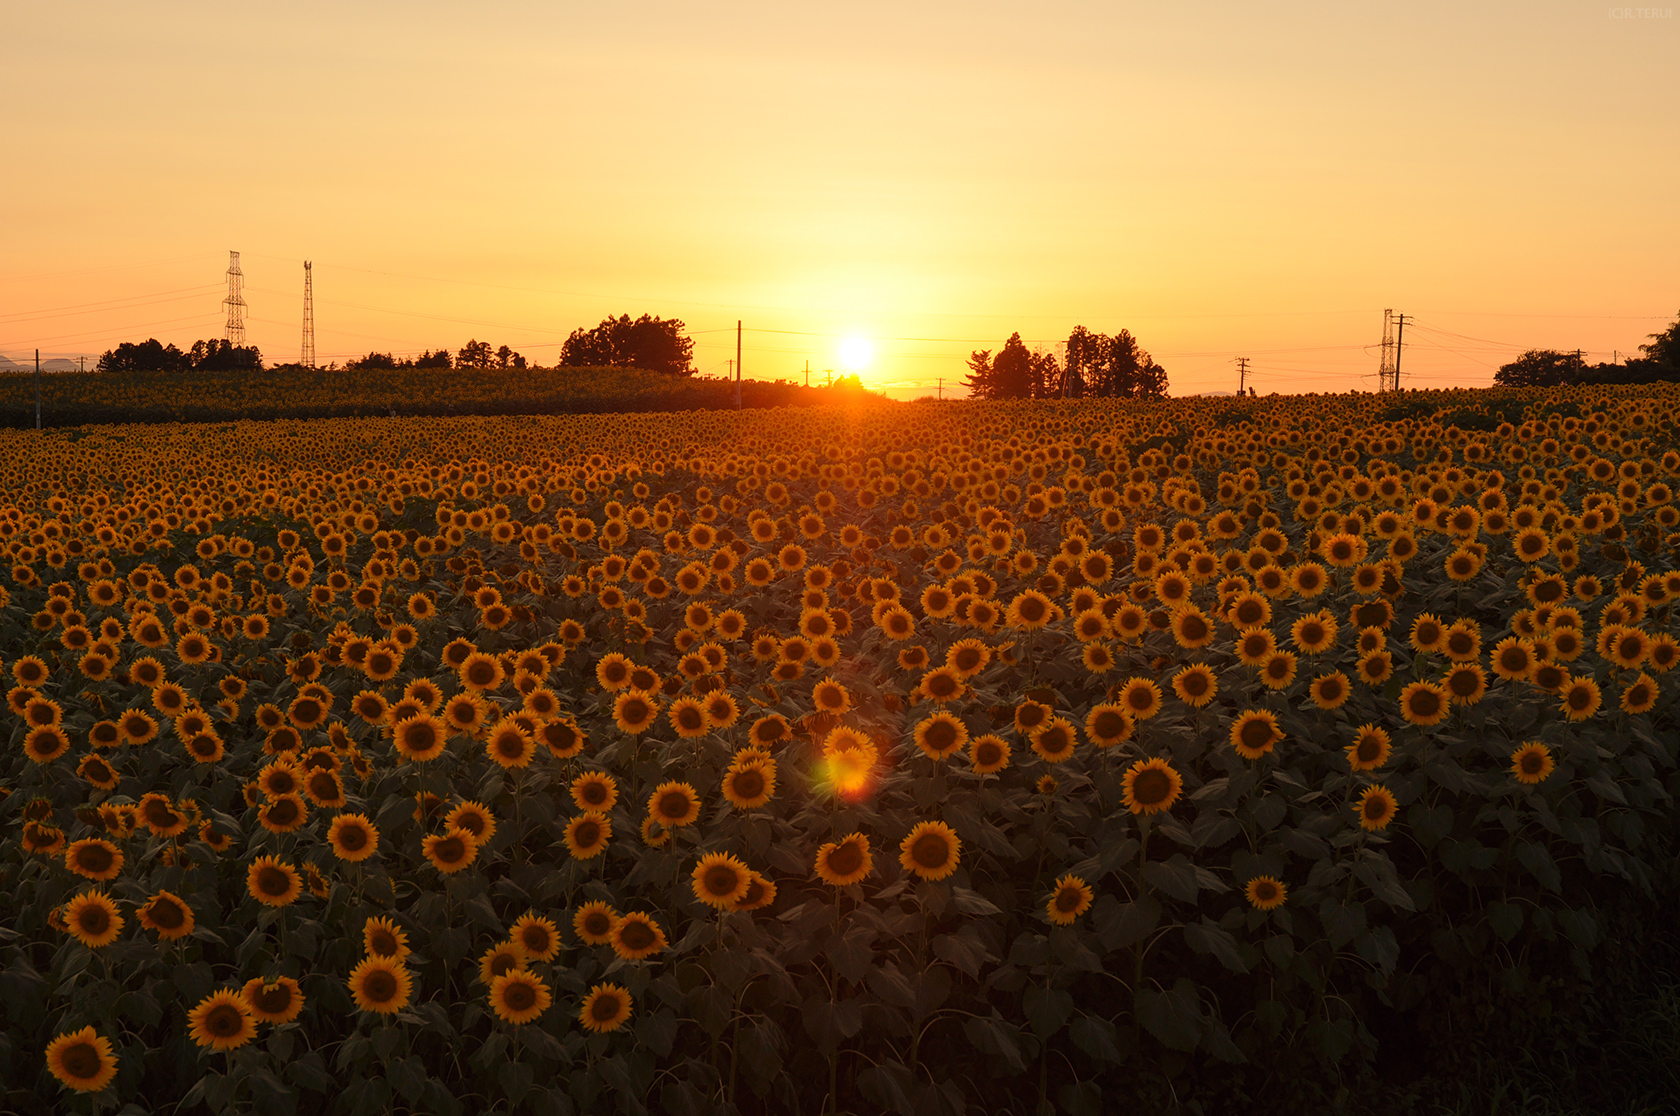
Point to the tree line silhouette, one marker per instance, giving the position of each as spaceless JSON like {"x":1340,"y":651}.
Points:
{"x":1095,"y":366}
{"x":1552,"y":368}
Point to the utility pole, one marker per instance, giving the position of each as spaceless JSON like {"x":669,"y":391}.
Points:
{"x":37,"y":389}
{"x":942,"y":389}
{"x":81,"y":362}
{"x":737,"y":364}
{"x":807,"y":373}
{"x":1578,"y":355}
{"x":829,"y":372}
{"x":235,"y":301}
{"x":1387,"y":378}
{"x":1399,"y":347}
{"x":1242,"y":373}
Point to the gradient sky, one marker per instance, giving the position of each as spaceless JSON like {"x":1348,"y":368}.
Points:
{"x":1220,"y":179}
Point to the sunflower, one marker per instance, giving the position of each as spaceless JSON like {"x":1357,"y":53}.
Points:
{"x":1377,"y":807}
{"x":1254,"y":733}
{"x":761,"y":892}
{"x":634,"y":711}
{"x":719,"y":880}
{"x":1581,"y":698}
{"x":1640,"y":695}
{"x":587,"y":834}
{"x":285,"y":813}
{"x":474,"y":817}
{"x":465,"y":712}
{"x":1464,"y":641}
{"x":1255,"y":646}
{"x":1107,"y":725}
{"x":1424,"y":703}
{"x":222,"y":1021}
{"x":94,"y":858}
{"x":381,"y":985}
{"x":1191,"y":627}
{"x":595,"y":790}
{"x":561,"y":736}
{"x":1266,"y":893}
{"x":1141,"y":699}
{"x":168,"y":915}
{"x":1151,"y":786}
{"x":1514,"y":659}
{"x":383,"y":938}
{"x":1428,"y":634}
{"x":1532,"y":763}
{"x":480,"y":672}
{"x":1375,"y":667}
{"x":845,"y":861}
{"x":606,"y":1008}
{"x":1053,"y":742}
{"x":1195,"y":685}
{"x":750,"y":781}
{"x":82,"y":1060}
{"x":273,"y":882}
{"x":1465,"y":683}
{"x":635,"y":936}
{"x":1030,"y":611}
{"x":499,"y":960}
{"x":45,"y":744}
{"x":92,"y":919}
{"x":279,"y":1000}
{"x":968,"y":657}
{"x":420,"y":737}
{"x":1070,"y":898}
{"x":931,"y":850}
{"x":510,"y":746}
{"x":1330,"y":691}
{"x":988,"y":754}
{"x":674,"y":804}
{"x":594,"y":923}
{"x":940,"y":735}
{"x":519,"y":996}
{"x":1278,"y":671}
{"x":1369,"y":750}
{"x":1309,"y":579}
{"x":450,"y":851}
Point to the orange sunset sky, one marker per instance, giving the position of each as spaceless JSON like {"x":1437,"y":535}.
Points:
{"x":1221,"y":179}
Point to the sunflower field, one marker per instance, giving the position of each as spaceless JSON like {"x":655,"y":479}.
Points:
{"x":895,"y":757}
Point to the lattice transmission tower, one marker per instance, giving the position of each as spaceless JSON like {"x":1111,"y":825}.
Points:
{"x":307,"y":359}
{"x":1388,"y":372}
{"x":235,"y":301}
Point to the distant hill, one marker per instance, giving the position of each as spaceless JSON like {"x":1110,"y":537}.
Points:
{"x":51,"y":364}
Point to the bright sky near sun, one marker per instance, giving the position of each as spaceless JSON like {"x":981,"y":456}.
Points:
{"x":880,"y":186}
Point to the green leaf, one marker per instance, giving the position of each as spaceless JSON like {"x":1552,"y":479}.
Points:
{"x":852,"y":955}
{"x":973,"y":903}
{"x":1048,"y":1009}
{"x":963,"y":951}
{"x":1096,"y":1036}
{"x":1429,"y":824}
{"x":517,"y":1079}
{"x":1377,"y":872}
{"x":1176,"y":876}
{"x":1506,"y":919}
{"x":995,"y":1038}
{"x":1538,"y":860}
{"x":888,"y":1086}
{"x":1119,"y":925}
{"x":1206,"y":937}
{"x":408,"y":1077}
{"x":1174,"y":1016}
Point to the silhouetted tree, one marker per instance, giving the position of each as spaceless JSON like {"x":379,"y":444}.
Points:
{"x":428,"y":359}
{"x":475,"y":354}
{"x":1539,"y":368}
{"x":1009,"y":375}
{"x":1665,"y":346}
{"x":656,"y":344}
{"x":150,"y":355}
{"x":378,"y":362}
{"x":224,"y":356}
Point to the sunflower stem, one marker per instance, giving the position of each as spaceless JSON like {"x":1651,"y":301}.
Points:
{"x":1143,"y":893}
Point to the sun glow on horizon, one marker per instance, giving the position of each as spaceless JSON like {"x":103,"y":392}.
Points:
{"x":856,"y":353}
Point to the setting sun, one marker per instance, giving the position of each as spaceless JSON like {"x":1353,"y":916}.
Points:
{"x":856,"y":353}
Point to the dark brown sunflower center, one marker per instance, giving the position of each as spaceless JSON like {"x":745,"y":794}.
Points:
{"x":273,"y":881}
{"x":720,"y":879}
{"x":846,"y":859}
{"x":379,"y":986}
{"x":352,"y":837}
{"x":273,"y":999}
{"x":749,"y":783}
{"x":673,"y":804}
{"x":1152,"y":787}
{"x":519,"y":996}
{"x":604,"y":1008}
{"x":1068,"y":899}
{"x":587,"y":834}
{"x":94,"y":858}
{"x":93,"y":920}
{"x":224,"y":1021}
{"x":636,"y":935}
{"x":81,"y":1060}
{"x":930,"y":850}
{"x":1256,"y":734}
{"x":167,"y":914}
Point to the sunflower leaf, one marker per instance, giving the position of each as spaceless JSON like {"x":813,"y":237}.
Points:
{"x":1173,"y":1016}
